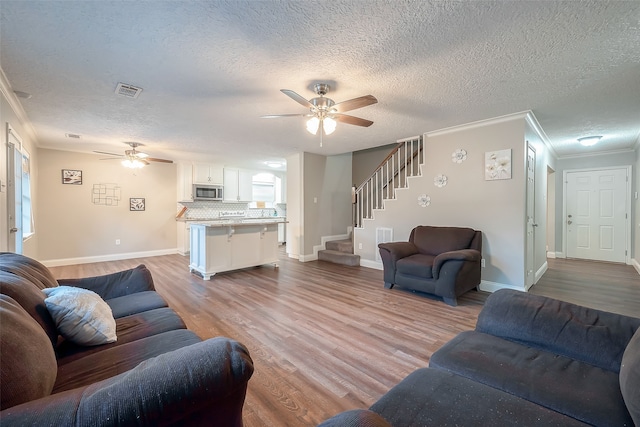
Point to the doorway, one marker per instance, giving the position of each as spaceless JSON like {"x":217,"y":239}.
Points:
{"x":596,"y":222}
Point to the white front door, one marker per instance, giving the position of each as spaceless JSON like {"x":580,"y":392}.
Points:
{"x":14,"y":191}
{"x":597,"y":214}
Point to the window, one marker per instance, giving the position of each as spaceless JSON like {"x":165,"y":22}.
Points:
{"x":263,"y":188}
{"x":27,"y":210}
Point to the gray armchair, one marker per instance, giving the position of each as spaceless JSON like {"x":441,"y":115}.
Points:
{"x":443,"y":261}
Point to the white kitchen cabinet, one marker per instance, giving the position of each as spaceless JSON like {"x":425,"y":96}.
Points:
{"x":204,"y":173}
{"x":282,"y":233}
{"x":238,"y":185}
{"x":184,"y":240}
{"x":217,"y":248}
{"x":185,"y":182}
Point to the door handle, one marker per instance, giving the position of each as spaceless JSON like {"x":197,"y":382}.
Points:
{"x":13,"y":230}
{"x":569,"y":222}
{"x":534,"y":225}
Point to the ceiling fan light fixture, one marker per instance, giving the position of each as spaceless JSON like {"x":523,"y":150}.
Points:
{"x":588,"y":141}
{"x":133,"y":163}
{"x":328,"y":125}
{"x":312,"y":125}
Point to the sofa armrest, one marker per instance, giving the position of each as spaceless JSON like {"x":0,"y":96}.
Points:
{"x":586,"y":334}
{"x":193,"y":385}
{"x":470,"y":255}
{"x":115,"y":285}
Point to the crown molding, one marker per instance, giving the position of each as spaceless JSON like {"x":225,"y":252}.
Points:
{"x":597,"y":153}
{"x":533,"y":122}
{"x":12,"y":99}
{"x":477,"y":124}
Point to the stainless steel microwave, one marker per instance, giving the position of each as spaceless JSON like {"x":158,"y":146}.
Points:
{"x":207,"y":192}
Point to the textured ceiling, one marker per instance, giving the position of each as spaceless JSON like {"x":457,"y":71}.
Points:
{"x":209,"y":70}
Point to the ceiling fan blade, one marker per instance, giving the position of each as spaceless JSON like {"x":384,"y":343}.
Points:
{"x":275,"y":116}
{"x":344,"y":118}
{"x":354,"y":103}
{"x":299,"y":99}
{"x":153,"y":159}
{"x":110,"y":154}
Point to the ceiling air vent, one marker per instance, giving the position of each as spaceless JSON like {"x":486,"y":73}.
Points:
{"x":72,"y":135}
{"x":128,"y":91}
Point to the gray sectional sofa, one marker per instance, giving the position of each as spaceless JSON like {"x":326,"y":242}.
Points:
{"x":531,"y":361}
{"x":156,"y":372}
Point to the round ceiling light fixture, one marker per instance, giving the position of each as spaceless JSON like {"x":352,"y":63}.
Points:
{"x":588,"y":141}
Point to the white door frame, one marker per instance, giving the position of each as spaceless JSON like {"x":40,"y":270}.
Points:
{"x":627,"y":256}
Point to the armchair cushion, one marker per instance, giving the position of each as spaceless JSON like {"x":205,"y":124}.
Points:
{"x":418,"y":265}
{"x":28,"y":369}
{"x":471,"y":255}
{"x":437,"y":240}
{"x":399,"y":250}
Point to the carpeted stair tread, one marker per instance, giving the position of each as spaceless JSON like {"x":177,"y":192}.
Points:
{"x":340,"y":245}
{"x":338,"y":257}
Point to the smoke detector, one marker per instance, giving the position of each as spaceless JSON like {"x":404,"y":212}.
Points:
{"x":127,"y":90}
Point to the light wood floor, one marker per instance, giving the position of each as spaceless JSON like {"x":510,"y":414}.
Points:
{"x":324,"y":338}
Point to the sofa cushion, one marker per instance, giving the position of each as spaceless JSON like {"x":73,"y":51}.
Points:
{"x":28,"y":268}
{"x":128,"y":329}
{"x":356,"y":418}
{"x":28,"y":369}
{"x":135,"y":303}
{"x":437,"y":240}
{"x":117,"y":284}
{"x":81,"y":315}
{"x":430,"y":397}
{"x":418,"y":265}
{"x":630,"y":377}
{"x":592,"y":336}
{"x":568,"y":386}
{"x":31,"y":298}
{"x":116,"y":360}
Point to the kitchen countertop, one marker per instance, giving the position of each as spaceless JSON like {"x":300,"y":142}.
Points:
{"x":225,"y":222}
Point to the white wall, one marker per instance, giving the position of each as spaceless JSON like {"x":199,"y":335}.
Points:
{"x":71,"y":229}
{"x":497,"y":208}
{"x":295,"y":199}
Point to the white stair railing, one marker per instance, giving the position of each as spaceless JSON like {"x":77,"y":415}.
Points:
{"x":404,"y":161}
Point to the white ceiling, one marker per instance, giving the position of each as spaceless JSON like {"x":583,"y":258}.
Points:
{"x":209,"y":70}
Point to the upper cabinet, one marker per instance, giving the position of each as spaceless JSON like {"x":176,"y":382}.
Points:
{"x":185,"y":182}
{"x":204,"y":173}
{"x":237,"y":185}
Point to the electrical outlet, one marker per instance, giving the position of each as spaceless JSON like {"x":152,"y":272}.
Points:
{"x":359,"y":245}
{"x":117,"y":241}
{"x":482,"y":263}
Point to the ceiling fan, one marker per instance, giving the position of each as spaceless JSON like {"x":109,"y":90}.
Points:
{"x":133,"y":158}
{"x":324,"y":112}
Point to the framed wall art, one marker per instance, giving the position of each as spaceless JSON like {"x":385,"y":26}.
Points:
{"x":71,"y":176}
{"x":136,"y":204}
{"x":497,"y":165}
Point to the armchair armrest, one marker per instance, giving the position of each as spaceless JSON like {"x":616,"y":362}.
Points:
{"x":115,"y":285}
{"x":470,"y":255}
{"x":198,"y":384}
{"x":592,"y":336}
{"x":398,"y":250}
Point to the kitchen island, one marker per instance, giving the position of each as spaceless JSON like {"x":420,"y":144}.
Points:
{"x":231,"y":244}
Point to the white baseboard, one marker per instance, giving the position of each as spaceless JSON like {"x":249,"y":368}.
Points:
{"x":543,"y":269}
{"x":371,"y":264}
{"x":551,"y":254}
{"x":311,"y":257}
{"x":635,"y":264}
{"x":103,"y":258}
{"x":488,"y":286}
{"x":560,"y":255}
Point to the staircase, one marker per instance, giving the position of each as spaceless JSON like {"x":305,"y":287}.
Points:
{"x":339,"y":252}
{"x":403,"y":162}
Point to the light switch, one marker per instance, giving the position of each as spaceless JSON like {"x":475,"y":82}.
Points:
{"x":315,"y":200}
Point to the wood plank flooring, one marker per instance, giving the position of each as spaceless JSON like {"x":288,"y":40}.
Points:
{"x":325,"y":338}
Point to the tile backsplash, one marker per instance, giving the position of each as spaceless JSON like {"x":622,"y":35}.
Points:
{"x":212,"y":210}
